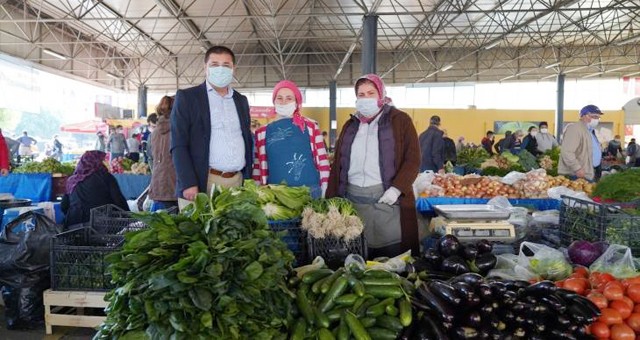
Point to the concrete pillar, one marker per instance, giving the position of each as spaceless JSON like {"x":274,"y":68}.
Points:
{"x":142,"y":101}
{"x":369,"y":44}
{"x":559,"y":117}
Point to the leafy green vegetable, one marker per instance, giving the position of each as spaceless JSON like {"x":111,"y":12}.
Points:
{"x":216,"y":271}
{"x":280,"y":202}
{"x":472,"y":157}
{"x":495,"y":171}
{"x":622,"y":186}
{"x":49,"y":165}
{"x":527,"y":160}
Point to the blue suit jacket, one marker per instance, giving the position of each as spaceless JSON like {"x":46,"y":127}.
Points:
{"x":191,"y":133}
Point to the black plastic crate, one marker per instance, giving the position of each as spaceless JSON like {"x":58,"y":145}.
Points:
{"x":110,"y":219}
{"x":335,"y":250}
{"x":592,"y":221}
{"x":78,"y":260}
{"x":295,"y":238}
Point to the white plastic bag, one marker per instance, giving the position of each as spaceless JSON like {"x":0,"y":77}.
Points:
{"x":395,"y":264}
{"x":512,"y":177}
{"x":501,"y":202}
{"x":548,"y":263}
{"x":546,"y":217}
{"x":557,"y":192}
{"x":317,"y":263}
{"x":617,"y":260}
{"x":422,"y":182}
{"x":509,"y":267}
{"x":48,"y":210}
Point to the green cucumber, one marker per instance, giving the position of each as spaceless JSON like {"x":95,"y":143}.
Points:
{"x":315,"y":275}
{"x":405,"y":313}
{"x":299,"y":330}
{"x":304,"y":306}
{"x":370,"y":281}
{"x":384,"y":292}
{"x":325,"y":334}
{"x":346,"y":300}
{"x":358,"y":288}
{"x":378,"y":274}
{"x":356,"y":328}
{"x":379,"y":308}
{"x":335,"y":314}
{"x":328,"y":282}
{"x":389,"y":322}
{"x":391,"y":310}
{"x":336,"y":290}
{"x":378,"y":333}
{"x":343,"y":330}
{"x":367,"y":321}
{"x":360,"y":312}
{"x":321,"y":319}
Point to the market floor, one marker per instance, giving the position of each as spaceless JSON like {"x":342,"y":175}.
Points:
{"x":59,"y":333}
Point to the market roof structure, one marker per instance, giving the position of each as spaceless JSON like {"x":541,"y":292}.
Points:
{"x":159,"y":43}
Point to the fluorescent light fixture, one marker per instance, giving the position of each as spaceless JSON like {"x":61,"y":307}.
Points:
{"x":447,"y":67}
{"x":552,"y":65}
{"x":54,"y":54}
{"x":111,"y":75}
{"x":488,"y":47}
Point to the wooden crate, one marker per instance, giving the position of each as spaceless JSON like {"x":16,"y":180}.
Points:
{"x":55,"y":301}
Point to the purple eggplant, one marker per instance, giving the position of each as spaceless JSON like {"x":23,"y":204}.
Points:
{"x":441,"y":309}
{"x":485,"y":262}
{"x":484,"y":246}
{"x":454,"y":264}
{"x":449,"y":245}
{"x":471,"y":278}
{"x":469,"y":252}
{"x":432,"y":258}
{"x":444,"y":291}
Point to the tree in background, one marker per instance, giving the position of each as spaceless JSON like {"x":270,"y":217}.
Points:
{"x":42,"y":125}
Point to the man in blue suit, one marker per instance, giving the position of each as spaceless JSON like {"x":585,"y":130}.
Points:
{"x":210,"y":130}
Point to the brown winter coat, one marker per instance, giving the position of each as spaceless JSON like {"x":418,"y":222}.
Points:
{"x":163,"y":177}
{"x":407,"y":162}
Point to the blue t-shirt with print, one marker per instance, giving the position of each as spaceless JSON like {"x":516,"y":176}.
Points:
{"x":289,"y":155}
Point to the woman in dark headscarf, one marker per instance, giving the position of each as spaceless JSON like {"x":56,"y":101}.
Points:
{"x":90,"y":186}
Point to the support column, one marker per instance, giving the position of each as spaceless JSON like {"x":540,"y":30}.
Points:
{"x":142,"y":101}
{"x":333,"y":121}
{"x":559,"y":106}
{"x":369,"y":44}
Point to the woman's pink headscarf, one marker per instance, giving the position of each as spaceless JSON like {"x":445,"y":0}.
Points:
{"x":379,"y":84}
{"x":288,"y":84}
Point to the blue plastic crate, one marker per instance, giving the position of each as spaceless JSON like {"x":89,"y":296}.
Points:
{"x":295,"y":238}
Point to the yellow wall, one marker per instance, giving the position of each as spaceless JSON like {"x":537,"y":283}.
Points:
{"x":470,"y":123}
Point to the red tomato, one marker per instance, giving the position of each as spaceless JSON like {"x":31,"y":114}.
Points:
{"x":576,"y":285}
{"x":636,"y":308}
{"x":600,"y":330}
{"x":581,"y":271}
{"x":613,"y":291}
{"x":630,"y":281}
{"x":633,"y":292}
{"x":628,"y":301}
{"x":598,"y":299}
{"x":560,"y":284}
{"x":610,"y":316}
{"x":622,"y":332}
{"x":634,"y":321}
{"x":622,"y":307}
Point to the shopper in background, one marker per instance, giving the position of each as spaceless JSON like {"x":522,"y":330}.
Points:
{"x":530,"y":141}
{"x":145,"y":138}
{"x":614,"y":148}
{"x":210,"y":130}
{"x":487,"y":142}
{"x":377,"y":158}
{"x":291,"y":149}
{"x":90,"y":186}
{"x":432,"y":147}
{"x":580,"y":153}
{"x":101,"y":143}
{"x":117,"y":144}
{"x":500,"y":144}
{"x":632,"y":151}
{"x":450,"y":148}
{"x":163,"y":177}
{"x":5,"y":156}
{"x":25,"y":145}
{"x":545,"y":140}
{"x":133,"y":145}
{"x":57,"y":148}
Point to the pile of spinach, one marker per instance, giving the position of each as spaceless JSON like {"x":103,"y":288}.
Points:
{"x":216,"y":271}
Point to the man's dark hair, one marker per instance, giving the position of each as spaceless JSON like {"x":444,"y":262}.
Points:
{"x":152,"y":118}
{"x":543,"y":124}
{"x":435,"y":120}
{"x":489,"y":132}
{"x":119,"y":127}
{"x":532,"y":127}
{"x":219,"y":50}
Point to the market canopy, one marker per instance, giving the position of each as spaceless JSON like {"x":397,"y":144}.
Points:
{"x":90,"y":126}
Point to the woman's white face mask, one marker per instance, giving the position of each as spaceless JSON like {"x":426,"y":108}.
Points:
{"x":285,"y":110}
{"x":367,"y":106}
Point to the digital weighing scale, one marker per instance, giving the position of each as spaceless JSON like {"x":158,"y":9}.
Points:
{"x":474,"y":222}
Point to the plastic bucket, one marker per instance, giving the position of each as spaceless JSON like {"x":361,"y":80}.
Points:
{"x":11,"y":214}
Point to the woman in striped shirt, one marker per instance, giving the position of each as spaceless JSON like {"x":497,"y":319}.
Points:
{"x":291,"y":149}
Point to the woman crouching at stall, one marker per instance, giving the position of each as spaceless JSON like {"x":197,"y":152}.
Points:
{"x":90,"y":186}
{"x":376,"y":162}
{"x":291,"y":149}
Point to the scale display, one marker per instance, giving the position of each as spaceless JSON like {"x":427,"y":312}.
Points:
{"x":497,"y":231}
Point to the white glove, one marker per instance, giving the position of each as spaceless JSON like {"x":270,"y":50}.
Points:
{"x":390,"y":196}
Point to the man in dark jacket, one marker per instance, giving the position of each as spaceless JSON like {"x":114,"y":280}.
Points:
{"x":487,"y":142}
{"x":499,"y":145}
{"x":432,"y":147}
{"x":210,"y":130}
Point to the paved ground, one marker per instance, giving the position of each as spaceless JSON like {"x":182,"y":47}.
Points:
{"x":59,"y":333}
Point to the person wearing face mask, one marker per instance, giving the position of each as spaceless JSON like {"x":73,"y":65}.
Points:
{"x":117,"y":144}
{"x":432,"y":147}
{"x":530,"y":142}
{"x":377,"y":158}
{"x":614,"y":149}
{"x":291,"y":149}
{"x":545,"y":140}
{"x":211,"y":140}
{"x":580,"y":153}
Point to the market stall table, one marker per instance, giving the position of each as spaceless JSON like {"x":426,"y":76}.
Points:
{"x":35,"y":187}
{"x":425,"y":204}
{"x":132,"y":186}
